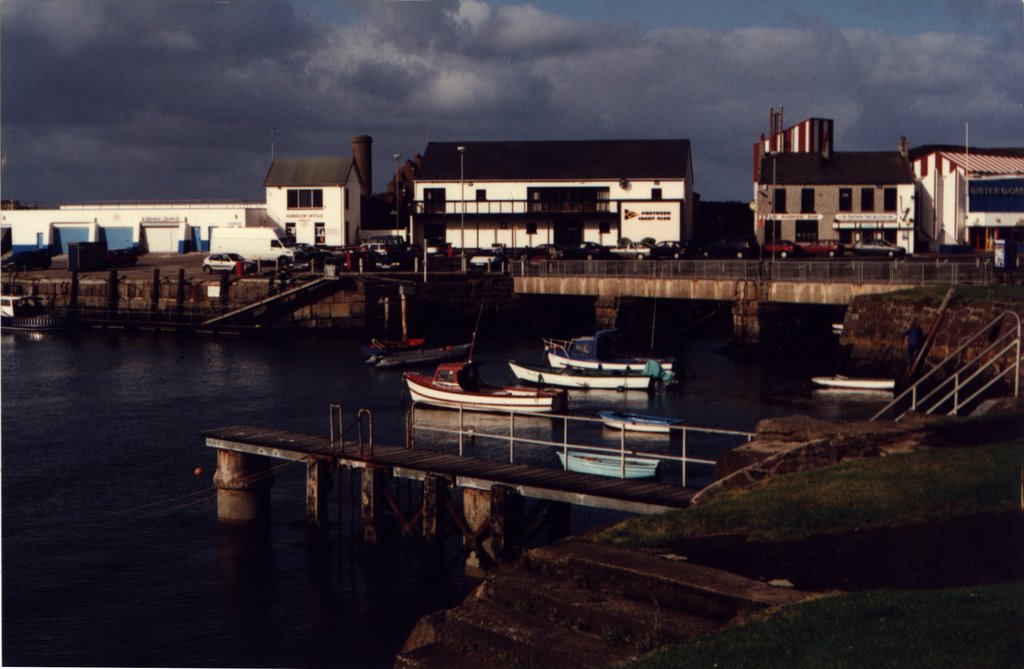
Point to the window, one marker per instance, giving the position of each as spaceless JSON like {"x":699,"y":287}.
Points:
{"x":867,"y":199}
{"x":306,"y":198}
{"x":655,"y":193}
{"x":779,"y":203}
{"x":604,"y":227}
{"x":346,"y":198}
{"x":889,"y":199}
{"x":806,"y":200}
{"x":845,"y":199}
{"x":531,"y":228}
{"x":289,"y":229}
{"x":320,"y":233}
{"x":806,"y":231}
{"x":772,"y":229}
{"x":481,"y":194}
{"x":434,"y":200}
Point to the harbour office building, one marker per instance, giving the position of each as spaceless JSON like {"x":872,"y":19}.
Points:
{"x":524,"y":193}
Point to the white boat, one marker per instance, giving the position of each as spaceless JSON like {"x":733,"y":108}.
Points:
{"x":592,"y":353}
{"x":635,"y":422}
{"x":26,"y":313}
{"x":846,"y":383}
{"x":586,"y":379}
{"x":608,"y":464}
{"x":456,"y":384}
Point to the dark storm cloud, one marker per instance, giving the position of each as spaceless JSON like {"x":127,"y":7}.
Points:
{"x":176,"y":99}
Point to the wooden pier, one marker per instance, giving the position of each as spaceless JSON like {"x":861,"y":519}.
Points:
{"x":491,"y":519}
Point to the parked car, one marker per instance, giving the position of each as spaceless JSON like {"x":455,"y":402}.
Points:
{"x":542,"y":252}
{"x":783,"y":248}
{"x":227,"y":262}
{"x":23,"y":260}
{"x":634,"y":250}
{"x":586,"y":251}
{"x":670,"y":249}
{"x":878,"y":247}
{"x":733,"y":246}
{"x":489,"y":258}
{"x":824,"y":247}
{"x":122,"y":257}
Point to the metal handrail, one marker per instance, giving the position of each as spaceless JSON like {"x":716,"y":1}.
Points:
{"x":622,"y":451}
{"x":369,"y":421}
{"x":1014,"y":344}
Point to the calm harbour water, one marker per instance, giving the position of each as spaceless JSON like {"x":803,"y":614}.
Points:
{"x":112,"y":554}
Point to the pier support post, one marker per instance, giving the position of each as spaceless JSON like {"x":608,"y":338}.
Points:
{"x":318,"y":485}
{"x":434,"y":490}
{"x":113,"y":296}
{"x":73,"y":299}
{"x":154,"y":297}
{"x":559,"y":520}
{"x":243,"y":487}
{"x":476,"y":508}
{"x":179,"y":299}
{"x":373,"y":503}
{"x":507,"y":527}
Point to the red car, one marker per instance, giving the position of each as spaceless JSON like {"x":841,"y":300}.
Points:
{"x":824,"y":247}
{"x":783,"y":248}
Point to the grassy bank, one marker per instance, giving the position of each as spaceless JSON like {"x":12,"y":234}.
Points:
{"x":978,"y":626}
{"x":965,"y":627}
{"x":895,"y":491}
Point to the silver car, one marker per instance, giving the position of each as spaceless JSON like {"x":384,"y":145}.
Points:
{"x":227,"y":262}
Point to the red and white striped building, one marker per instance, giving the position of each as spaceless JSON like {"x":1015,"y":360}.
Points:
{"x":969,"y":196}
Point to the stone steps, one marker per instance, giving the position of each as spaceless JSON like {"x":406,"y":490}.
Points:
{"x":584,"y":605}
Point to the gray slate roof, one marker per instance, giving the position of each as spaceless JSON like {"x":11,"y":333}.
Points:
{"x":324,"y":171}
{"x":558,"y":160}
{"x":846,"y":167}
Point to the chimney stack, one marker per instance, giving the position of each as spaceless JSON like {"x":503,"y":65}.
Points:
{"x":903,"y":147}
{"x":362,"y":153}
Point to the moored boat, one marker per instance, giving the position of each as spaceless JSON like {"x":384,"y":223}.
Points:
{"x":587,"y":379}
{"x":26,"y":313}
{"x":593,"y":353}
{"x":635,"y":422}
{"x":421,"y":355}
{"x":847,"y":383}
{"x":608,"y":464}
{"x":457,"y":384}
{"x":381,"y":347}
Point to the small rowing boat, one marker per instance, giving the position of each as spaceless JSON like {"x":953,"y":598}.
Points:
{"x":846,"y":383}
{"x":420,"y":355}
{"x":608,"y":464}
{"x":636,"y":422}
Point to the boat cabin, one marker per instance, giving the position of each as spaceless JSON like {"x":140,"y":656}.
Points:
{"x":597,"y":347}
{"x":458,"y":375}
{"x":21,"y":306}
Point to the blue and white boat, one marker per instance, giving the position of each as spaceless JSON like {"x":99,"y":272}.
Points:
{"x":636,"y":422}
{"x":643,"y":378}
{"x":593,"y":353}
{"x":608,"y":464}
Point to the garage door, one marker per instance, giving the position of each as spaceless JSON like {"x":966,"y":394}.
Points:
{"x":118,"y":238}
{"x":62,"y":236}
{"x":161,"y":240}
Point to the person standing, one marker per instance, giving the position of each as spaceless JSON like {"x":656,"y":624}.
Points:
{"x":915,"y":339}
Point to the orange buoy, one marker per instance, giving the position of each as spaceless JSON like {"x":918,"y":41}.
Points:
{"x":198,"y":471}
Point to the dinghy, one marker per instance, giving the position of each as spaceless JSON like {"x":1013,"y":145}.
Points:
{"x":846,"y":383}
{"x":636,"y":422}
{"x":608,"y":464}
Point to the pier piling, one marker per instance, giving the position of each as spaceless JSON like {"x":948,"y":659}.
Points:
{"x":243,"y":487}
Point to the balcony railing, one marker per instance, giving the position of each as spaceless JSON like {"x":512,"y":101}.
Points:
{"x":508,"y":207}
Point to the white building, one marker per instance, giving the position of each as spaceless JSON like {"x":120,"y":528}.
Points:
{"x":477,"y":194}
{"x":970,"y":197}
{"x":315,"y":200}
{"x":174,"y":227}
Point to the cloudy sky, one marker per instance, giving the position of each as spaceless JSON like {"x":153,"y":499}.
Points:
{"x":176,"y":99}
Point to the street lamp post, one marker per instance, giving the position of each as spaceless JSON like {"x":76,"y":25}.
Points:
{"x":462,"y":197}
{"x":398,"y":203}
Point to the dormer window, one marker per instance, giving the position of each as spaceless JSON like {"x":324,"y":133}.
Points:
{"x":305,"y":198}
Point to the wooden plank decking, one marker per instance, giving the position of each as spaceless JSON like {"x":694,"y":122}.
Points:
{"x":463,"y":471}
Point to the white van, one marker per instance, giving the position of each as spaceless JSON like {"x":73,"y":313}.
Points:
{"x":250,"y":243}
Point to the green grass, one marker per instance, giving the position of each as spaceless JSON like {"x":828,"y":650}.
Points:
{"x":978,"y":627}
{"x":895,"y":491}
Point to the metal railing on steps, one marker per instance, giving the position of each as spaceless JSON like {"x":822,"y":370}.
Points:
{"x":932,"y":393}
